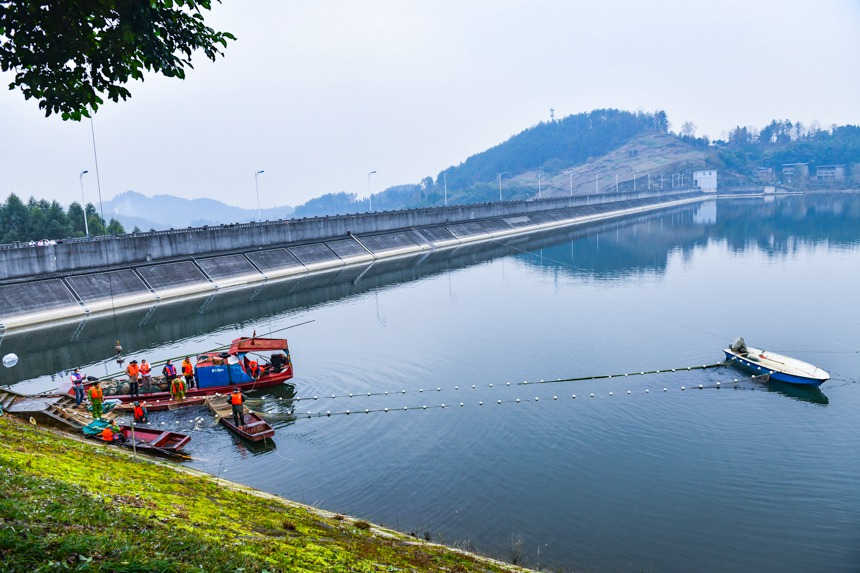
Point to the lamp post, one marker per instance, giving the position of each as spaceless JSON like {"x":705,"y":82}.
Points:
{"x":257,"y":188}
{"x":445,"y":179}
{"x":499,"y":177}
{"x":539,"y":178}
{"x":369,"y":195}
{"x":83,"y":202}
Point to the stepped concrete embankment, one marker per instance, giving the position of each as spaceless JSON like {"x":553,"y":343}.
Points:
{"x":79,"y":278}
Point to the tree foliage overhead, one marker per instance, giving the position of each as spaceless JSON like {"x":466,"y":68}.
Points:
{"x":70,"y":54}
{"x":40,"y":219}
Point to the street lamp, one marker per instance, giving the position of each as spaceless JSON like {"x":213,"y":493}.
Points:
{"x":539,"y":178}
{"x":257,"y":187}
{"x":83,"y":202}
{"x":499,"y":177}
{"x":369,"y":195}
{"x":570,"y":176}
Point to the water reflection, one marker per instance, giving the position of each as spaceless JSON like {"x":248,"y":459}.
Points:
{"x":610,"y":250}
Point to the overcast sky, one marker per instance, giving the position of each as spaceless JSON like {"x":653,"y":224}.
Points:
{"x":317,"y":93}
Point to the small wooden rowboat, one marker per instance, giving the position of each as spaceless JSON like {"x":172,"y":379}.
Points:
{"x":255,"y":429}
{"x":149,"y":440}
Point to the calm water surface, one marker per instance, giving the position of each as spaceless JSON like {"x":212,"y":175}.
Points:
{"x":753,"y":478}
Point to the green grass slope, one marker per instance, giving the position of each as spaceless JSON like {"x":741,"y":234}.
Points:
{"x":81,"y":506}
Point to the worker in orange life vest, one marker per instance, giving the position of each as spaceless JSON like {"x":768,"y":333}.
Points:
{"x":96,"y":398}
{"x":188,"y":372}
{"x":140,"y":413}
{"x":146,"y":375}
{"x":133,"y":371}
{"x":112,"y":433}
{"x":237,"y":400}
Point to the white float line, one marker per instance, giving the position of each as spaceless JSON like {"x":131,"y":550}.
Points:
{"x":499,"y":402}
{"x":508,"y":384}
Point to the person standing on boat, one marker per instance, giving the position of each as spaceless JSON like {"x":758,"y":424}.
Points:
{"x":188,"y":372}
{"x":140,"y":413}
{"x":78,"y":385}
{"x":237,"y":400}
{"x":96,"y":398}
{"x":146,"y":375}
{"x":133,"y":371}
{"x":177,"y":389}
{"x":169,"y":372}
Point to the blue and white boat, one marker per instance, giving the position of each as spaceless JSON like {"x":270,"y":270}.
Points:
{"x":774,"y":366}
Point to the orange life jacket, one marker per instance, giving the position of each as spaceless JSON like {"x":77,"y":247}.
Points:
{"x":107,"y":434}
{"x":132,"y":370}
{"x":145,"y":368}
{"x":138,"y":413}
{"x":187,"y":369}
{"x":254,"y":366}
{"x":178,"y":385}
{"x":96,"y":393}
{"x":236,"y":399}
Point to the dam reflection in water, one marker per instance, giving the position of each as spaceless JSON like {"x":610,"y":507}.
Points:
{"x":672,"y":481}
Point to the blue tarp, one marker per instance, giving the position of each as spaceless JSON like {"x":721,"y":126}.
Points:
{"x":221,"y":375}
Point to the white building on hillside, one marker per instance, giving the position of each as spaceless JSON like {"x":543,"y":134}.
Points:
{"x":706,"y":180}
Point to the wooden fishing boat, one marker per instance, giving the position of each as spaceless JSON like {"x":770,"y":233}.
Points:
{"x":773,"y":366}
{"x":148,"y":440}
{"x":256,"y":429}
{"x":244,"y":366}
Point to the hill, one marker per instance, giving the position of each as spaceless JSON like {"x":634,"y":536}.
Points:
{"x":134,"y":209}
{"x":548,"y":148}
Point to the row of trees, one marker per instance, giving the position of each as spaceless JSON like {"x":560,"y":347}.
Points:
{"x":37,"y":220}
{"x":783,"y":141}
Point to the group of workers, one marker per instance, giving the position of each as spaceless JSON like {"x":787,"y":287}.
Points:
{"x":142,"y":373}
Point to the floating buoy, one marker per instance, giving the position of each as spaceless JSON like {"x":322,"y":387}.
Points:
{"x":555,"y":397}
{"x":537,"y":399}
{"x":573,"y":396}
{"x":629,"y":392}
{"x":611,"y":394}
{"x":421,"y":389}
{"x":438,"y":389}
{"x":647,"y":390}
{"x":385,"y":409}
{"x":591,"y":395}
{"x":444,"y":405}
{"x":403,"y":391}
{"x":461,"y":404}
{"x":347,"y":412}
{"x":405,"y":408}
{"x":316,"y":397}
{"x":491,"y":385}
{"x":718,"y":384}
{"x":473,"y":386}
{"x":366,"y":411}
{"x":328,"y":413}
{"x":507,"y":383}
{"x":498,"y":401}
{"x":518,"y":400}
{"x":683,"y":387}
{"x":700,"y":386}
{"x":735,"y":380}
{"x":456,"y":387}
{"x":10,"y":360}
{"x":424,"y":407}
{"x":665,"y":389}
{"x":480,"y":403}
{"x":332,"y":396}
{"x":350,"y":394}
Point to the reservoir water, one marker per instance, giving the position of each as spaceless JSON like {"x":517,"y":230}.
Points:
{"x":745,"y":477}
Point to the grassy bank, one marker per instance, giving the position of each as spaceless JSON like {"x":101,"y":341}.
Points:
{"x":73,"y":505}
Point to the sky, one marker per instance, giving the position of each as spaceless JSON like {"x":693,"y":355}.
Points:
{"x":318,"y":93}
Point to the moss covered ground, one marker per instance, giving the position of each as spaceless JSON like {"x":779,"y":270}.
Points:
{"x":72,"y":505}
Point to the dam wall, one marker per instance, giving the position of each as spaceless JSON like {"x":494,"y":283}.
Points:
{"x":73,"y":255}
{"x":137,"y":280}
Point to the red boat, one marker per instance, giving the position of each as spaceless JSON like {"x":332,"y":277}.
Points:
{"x":243,"y":367}
{"x":255,"y":429}
{"x":150,"y":440}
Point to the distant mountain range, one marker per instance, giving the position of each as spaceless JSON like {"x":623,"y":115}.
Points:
{"x":160,"y":212}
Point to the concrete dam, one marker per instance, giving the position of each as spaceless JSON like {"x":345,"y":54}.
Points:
{"x":78,"y":278}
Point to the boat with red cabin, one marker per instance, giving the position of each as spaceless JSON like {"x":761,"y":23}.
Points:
{"x":244,"y":366}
